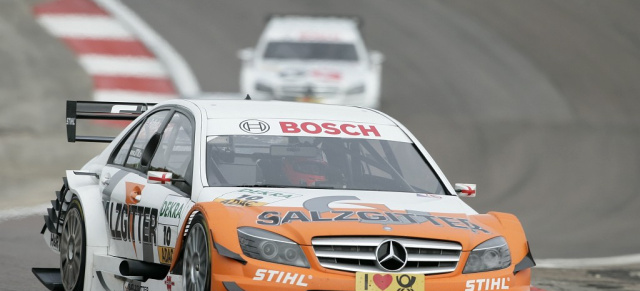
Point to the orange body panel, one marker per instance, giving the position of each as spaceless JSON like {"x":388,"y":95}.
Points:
{"x":261,"y":275}
{"x":247,"y":277}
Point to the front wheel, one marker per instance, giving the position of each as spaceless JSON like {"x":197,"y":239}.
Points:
{"x":72,"y":248}
{"x":196,"y":266}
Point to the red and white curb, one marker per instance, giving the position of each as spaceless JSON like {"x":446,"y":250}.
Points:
{"x":120,"y":64}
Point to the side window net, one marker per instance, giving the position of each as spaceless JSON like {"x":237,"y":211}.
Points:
{"x":148,"y":129}
{"x":123,"y":151}
{"x":175,"y":152}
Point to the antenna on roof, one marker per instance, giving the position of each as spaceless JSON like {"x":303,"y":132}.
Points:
{"x":248,"y":97}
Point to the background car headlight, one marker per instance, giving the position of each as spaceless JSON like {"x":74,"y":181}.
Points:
{"x":356,"y":90}
{"x":267,"y":246}
{"x":263,"y":88}
{"x":490,"y":255}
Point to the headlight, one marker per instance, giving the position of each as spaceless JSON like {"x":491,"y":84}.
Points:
{"x":263,"y":88}
{"x":356,"y":90}
{"x":267,"y":246}
{"x":490,"y":255}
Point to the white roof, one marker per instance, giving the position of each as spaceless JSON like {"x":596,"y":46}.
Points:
{"x":229,"y":109}
{"x":312,"y":29}
{"x":232,"y":117}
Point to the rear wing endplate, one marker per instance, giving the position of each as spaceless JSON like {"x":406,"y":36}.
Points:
{"x":97,"y":110}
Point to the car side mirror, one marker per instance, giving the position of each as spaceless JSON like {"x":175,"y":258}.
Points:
{"x":245,"y":54}
{"x":156,"y":177}
{"x":376,"y":58}
{"x":465,"y":190}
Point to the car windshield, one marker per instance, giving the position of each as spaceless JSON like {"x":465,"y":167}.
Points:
{"x":318,"y":162}
{"x":287,"y":50}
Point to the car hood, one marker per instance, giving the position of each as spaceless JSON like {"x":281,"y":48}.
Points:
{"x":302,"y":214}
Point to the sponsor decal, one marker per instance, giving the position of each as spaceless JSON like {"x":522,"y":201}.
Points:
{"x":292,"y":73}
{"x":54,"y":241}
{"x":252,"y":197}
{"x":327,"y":75}
{"x":318,"y":36}
{"x":427,"y":195}
{"x":155,"y":177}
{"x":268,"y":193}
{"x":281,"y":277}
{"x":389,"y":282}
{"x":169,"y":283}
{"x":318,"y":210}
{"x":165,"y":255}
{"x":329,"y":128}
{"x":254,"y":126}
{"x":135,"y":286}
{"x":132,"y":223}
{"x":394,"y":217}
{"x":166,"y":238}
{"x":466,"y":190}
{"x":136,"y":152}
{"x":171,"y":209}
{"x":487,"y":284}
{"x":166,"y":249}
{"x":134,"y":192}
{"x":243,"y":200}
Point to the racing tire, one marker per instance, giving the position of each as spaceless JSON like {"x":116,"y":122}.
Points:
{"x":196,"y":266}
{"x":73,"y":248}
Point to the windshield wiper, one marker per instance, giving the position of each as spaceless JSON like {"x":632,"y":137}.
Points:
{"x":284,"y":186}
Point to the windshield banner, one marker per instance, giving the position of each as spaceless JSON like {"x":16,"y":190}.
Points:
{"x":311,"y":128}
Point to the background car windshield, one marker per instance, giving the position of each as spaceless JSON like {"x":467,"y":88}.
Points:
{"x":283,"y":50}
{"x":318,"y":162}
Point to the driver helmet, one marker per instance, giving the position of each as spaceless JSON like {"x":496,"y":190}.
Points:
{"x":305,"y":171}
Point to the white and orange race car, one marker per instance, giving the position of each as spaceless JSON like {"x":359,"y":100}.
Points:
{"x":269,"y":195}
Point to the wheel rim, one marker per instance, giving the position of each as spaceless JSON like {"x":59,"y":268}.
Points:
{"x":71,"y":249}
{"x":195,"y":267}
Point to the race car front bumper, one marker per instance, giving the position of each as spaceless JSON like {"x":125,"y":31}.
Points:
{"x":259,"y":275}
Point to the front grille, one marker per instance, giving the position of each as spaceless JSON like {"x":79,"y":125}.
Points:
{"x":298,"y":91}
{"x":358,"y":254}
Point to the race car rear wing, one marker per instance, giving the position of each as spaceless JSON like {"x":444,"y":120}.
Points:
{"x":96,"y":110}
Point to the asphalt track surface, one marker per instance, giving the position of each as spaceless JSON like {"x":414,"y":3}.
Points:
{"x":535,"y":101}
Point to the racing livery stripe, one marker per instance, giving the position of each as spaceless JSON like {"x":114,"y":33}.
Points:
{"x":83,"y":26}
{"x":108,"y":47}
{"x":69,"y":7}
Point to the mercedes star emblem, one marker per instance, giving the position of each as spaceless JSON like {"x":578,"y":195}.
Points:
{"x":391,"y":255}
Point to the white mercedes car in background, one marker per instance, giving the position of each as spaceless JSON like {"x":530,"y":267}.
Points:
{"x":319,"y":59}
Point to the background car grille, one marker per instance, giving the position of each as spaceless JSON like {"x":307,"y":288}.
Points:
{"x":298,"y":91}
{"x":357,"y":254}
